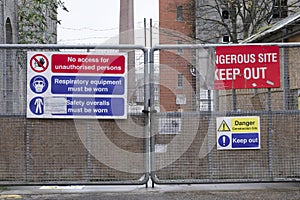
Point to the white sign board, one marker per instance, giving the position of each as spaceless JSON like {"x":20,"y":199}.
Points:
{"x":238,"y":132}
{"x":69,"y":85}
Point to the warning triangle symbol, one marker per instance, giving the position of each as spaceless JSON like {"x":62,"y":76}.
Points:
{"x":223,"y":126}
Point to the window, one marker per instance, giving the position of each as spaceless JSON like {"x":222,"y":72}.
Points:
{"x":8,"y":72}
{"x":180,"y":99}
{"x":205,"y":100}
{"x":180,"y":80}
{"x":179,"y":13}
{"x":280,"y":9}
{"x":226,"y":39}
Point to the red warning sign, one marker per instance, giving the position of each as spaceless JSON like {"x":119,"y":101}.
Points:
{"x":88,"y":63}
{"x":244,"y":67}
{"x":39,"y":63}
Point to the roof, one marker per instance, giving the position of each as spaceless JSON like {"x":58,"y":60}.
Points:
{"x":275,"y":27}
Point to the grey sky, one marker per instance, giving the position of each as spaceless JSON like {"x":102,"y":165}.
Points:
{"x":95,"y":21}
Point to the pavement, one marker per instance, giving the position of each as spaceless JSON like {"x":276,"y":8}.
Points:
{"x":249,"y":191}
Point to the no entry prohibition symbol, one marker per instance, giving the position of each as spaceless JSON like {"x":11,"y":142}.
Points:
{"x":39,"y":63}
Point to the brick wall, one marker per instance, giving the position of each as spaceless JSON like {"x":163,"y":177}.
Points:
{"x":174,"y":31}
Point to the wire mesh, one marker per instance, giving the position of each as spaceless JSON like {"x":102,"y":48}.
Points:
{"x":184,"y":137}
{"x":184,"y":108}
{"x":62,"y":151}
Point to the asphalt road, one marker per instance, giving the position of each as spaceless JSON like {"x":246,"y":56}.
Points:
{"x":170,"y":192}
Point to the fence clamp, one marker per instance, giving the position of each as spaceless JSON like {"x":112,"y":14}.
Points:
{"x":149,"y":111}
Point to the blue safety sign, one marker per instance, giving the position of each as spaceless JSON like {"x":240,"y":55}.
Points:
{"x":224,"y":141}
{"x":36,"y":105}
{"x":38,"y":84}
{"x":86,"y":106}
{"x":245,"y":140}
{"x":109,"y":85}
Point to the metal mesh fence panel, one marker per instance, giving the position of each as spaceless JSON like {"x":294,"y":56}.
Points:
{"x":13,"y":148}
{"x":68,"y":151}
{"x":78,"y":151}
{"x":184,"y":111}
{"x":285,"y":146}
{"x":185,"y":144}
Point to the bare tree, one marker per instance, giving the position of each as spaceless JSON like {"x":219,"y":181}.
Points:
{"x":236,"y":20}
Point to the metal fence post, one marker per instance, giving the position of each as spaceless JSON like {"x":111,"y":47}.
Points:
{"x":152,"y":110}
{"x":147,"y":115}
{"x":270,"y":140}
{"x":27,"y":146}
{"x":88,"y":164}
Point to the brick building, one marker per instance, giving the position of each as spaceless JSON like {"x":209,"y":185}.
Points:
{"x":177,"y":83}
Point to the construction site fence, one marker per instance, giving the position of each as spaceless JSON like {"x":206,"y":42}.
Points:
{"x":68,"y":151}
{"x":171,"y":132}
{"x":191,"y":132}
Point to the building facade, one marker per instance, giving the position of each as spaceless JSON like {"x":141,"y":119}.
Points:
{"x":177,"y":82}
{"x":13,"y":62}
{"x":287,"y":30}
{"x":231,"y":22}
{"x":10,"y":72}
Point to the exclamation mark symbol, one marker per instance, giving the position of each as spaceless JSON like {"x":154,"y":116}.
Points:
{"x":224,"y":141}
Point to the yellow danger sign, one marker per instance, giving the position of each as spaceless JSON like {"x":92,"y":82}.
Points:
{"x":223,"y":126}
{"x":245,"y":124}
